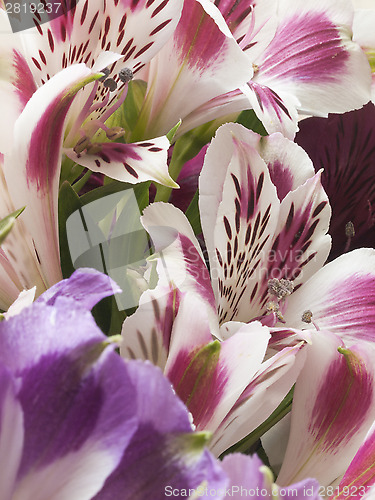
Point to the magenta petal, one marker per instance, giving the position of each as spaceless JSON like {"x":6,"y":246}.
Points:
{"x":200,"y":62}
{"x":333,"y":409}
{"x":313,"y":58}
{"x":360,"y":475}
{"x":341,"y":298}
{"x":32,"y":169}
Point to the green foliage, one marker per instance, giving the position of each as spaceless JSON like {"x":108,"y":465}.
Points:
{"x":6,"y":224}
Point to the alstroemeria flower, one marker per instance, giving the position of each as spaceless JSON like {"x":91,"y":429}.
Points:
{"x":200,"y":62}
{"x":264,"y":217}
{"x":103,"y":36}
{"x":303,"y":60}
{"x":333,"y":409}
{"x":79,"y":423}
{"x":344,"y":146}
{"x":303,"y":57}
{"x":49,"y":82}
{"x":227,"y":386}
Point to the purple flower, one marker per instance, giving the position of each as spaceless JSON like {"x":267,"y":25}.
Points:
{"x":76,"y":421}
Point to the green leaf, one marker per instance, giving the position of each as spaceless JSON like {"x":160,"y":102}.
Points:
{"x":192,"y":213}
{"x":249,"y":120}
{"x":247,"y":442}
{"x":126,"y":116}
{"x":6,"y":224}
{"x":69,"y":202}
{"x":173,"y":131}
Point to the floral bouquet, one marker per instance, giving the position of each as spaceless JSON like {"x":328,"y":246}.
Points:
{"x":187,"y":234}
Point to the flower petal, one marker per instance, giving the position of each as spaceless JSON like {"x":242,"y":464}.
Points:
{"x":32,"y":169}
{"x":245,"y":472}
{"x":239,"y":209}
{"x":277,"y":110}
{"x":181,"y":261}
{"x":313,"y":58}
{"x":253,"y":24}
{"x":333,"y":408}
{"x":11,"y":433}
{"x":164,"y":454}
{"x":340,"y":296}
{"x":263,"y":394}
{"x":360,"y":475}
{"x":71,"y":454}
{"x":138,"y":162}
{"x":81,"y":34}
{"x":146,"y":334}
{"x":86,"y":286}
{"x":201,"y":61}
{"x":344,"y":146}
{"x":209,"y":377}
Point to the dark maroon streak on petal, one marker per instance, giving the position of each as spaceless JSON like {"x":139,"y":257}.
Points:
{"x":282,"y":179}
{"x":197,"y":269}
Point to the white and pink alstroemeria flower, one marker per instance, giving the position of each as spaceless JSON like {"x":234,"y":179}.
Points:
{"x":265,"y":218}
{"x":302,"y":57}
{"x":116,"y":37}
{"x":227,"y":386}
{"x":200,"y":62}
{"x":333,"y":410}
{"x":55,"y":103}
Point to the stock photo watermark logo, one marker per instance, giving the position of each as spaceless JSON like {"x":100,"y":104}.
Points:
{"x":25,"y":14}
{"x":107,"y":235}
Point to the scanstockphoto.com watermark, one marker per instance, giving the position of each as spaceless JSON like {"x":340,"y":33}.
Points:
{"x":241,"y":491}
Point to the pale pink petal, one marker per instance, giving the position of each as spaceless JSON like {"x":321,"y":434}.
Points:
{"x":181,"y":262}
{"x":146,"y":334}
{"x":313,"y":58}
{"x":20,"y":268}
{"x":333,"y":408}
{"x":341,"y":298}
{"x":269,"y":386}
{"x":210,"y":378}
{"x":16,"y":81}
{"x":32,"y":169}
{"x":133,"y":163}
{"x":201,"y":61}
{"x":239,"y":209}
